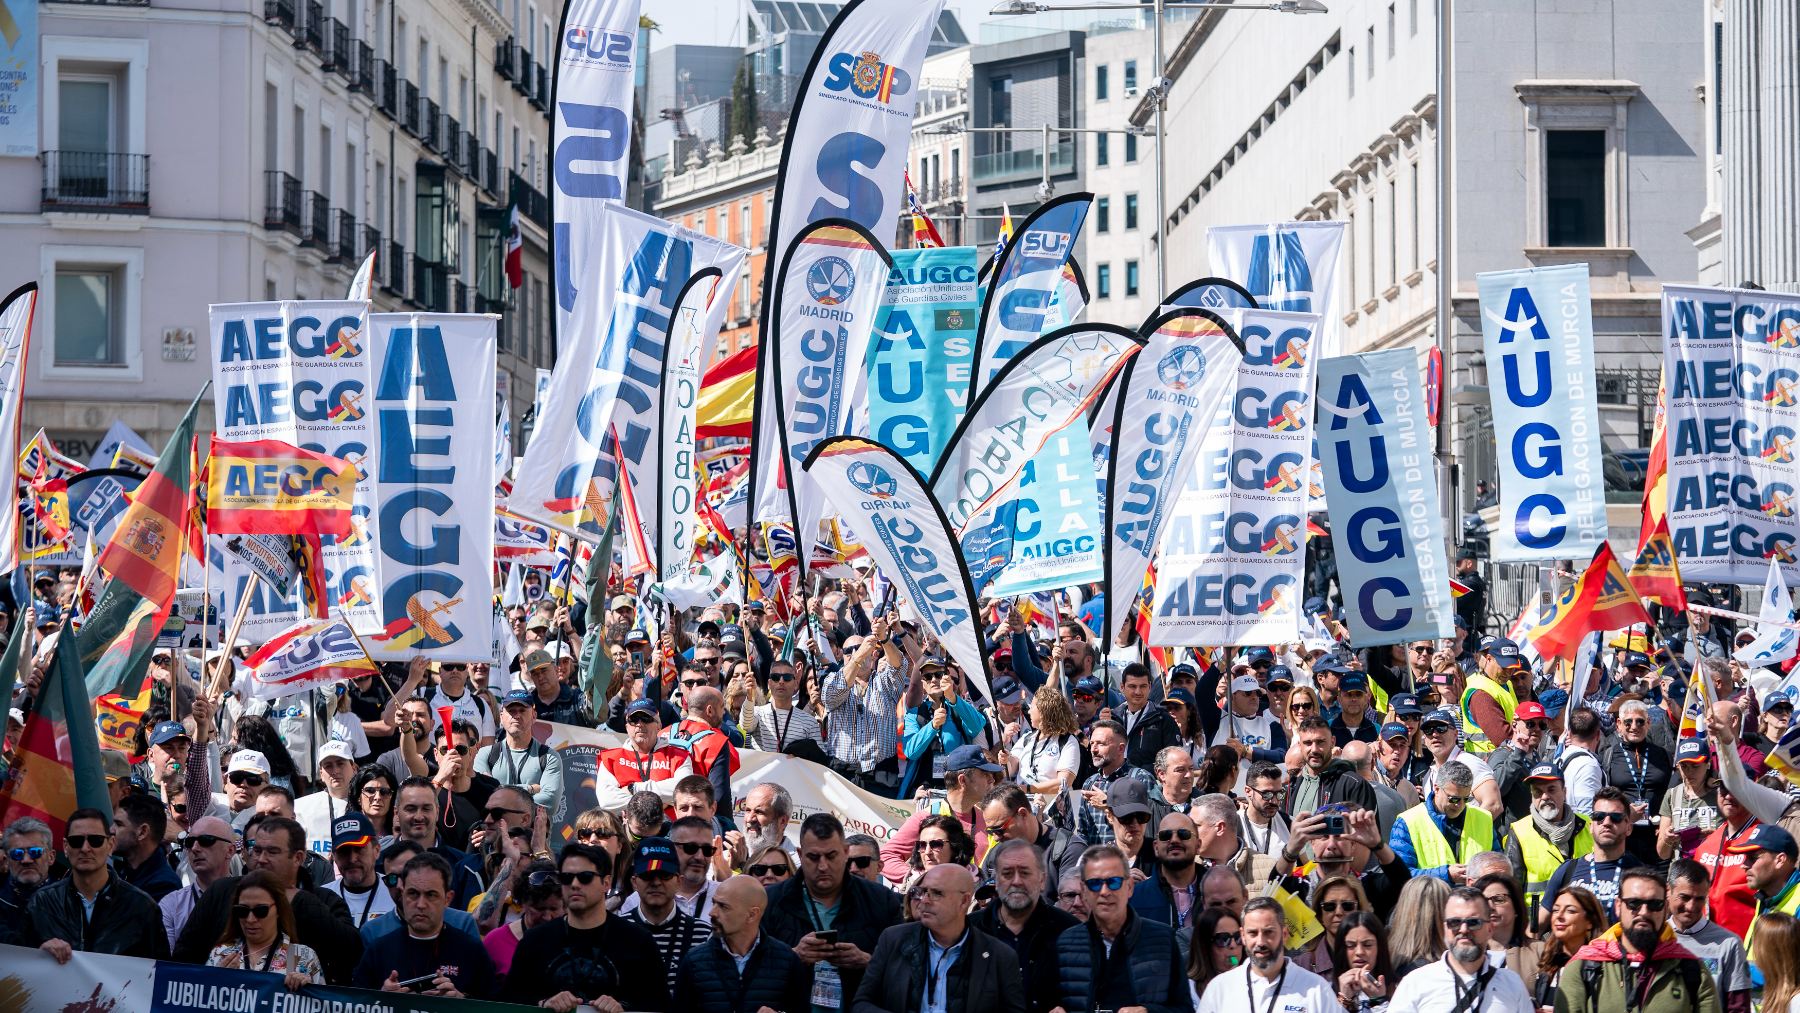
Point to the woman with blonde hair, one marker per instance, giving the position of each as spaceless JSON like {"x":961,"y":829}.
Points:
{"x":1778,"y":958}
{"x":1416,"y":937}
{"x":1045,"y":759}
{"x":1302,"y":703}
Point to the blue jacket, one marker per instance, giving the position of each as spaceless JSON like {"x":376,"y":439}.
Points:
{"x":1157,"y":977}
{"x":1400,"y":839}
{"x":773,"y":976}
{"x":919,"y":741}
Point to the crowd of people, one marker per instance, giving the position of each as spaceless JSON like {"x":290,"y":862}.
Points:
{"x":1427,"y":826}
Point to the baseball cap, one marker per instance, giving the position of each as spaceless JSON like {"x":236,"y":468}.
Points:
{"x":1544,"y":772}
{"x":1637,"y":659}
{"x":1259,"y":654}
{"x":932,"y":661}
{"x":1441,"y":716}
{"x":754,"y":606}
{"x":16,"y":716}
{"x":1353,"y":682}
{"x":1183,"y":671}
{"x":1744,"y":636}
{"x":1128,"y":797}
{"x":522,"y":697}
{"x":169,"y":731}
{"x":1008,"y":690}
{"x":655,"y":854}
{"x":1554,"y":700}
{"x":1330,"y":665}
{"x":537,"y":659}
{"x":731,"y":633}
{"x":1183,"y":696}
{"x":335,"y":749}
{"x":538,"y":621}
{"x":642,"y":707}
{"x":1777,"y":699}
{"x":1459,"y":622}
{"x":1406,"y":705}
{"x":1280,"y":673}
{"x":249,"y":761}
{"x":1529,"y":710}
{"x":1088,"y":685}
{"x":1394,"y":730}
{"x":637,"y":635}
{"x":623,"y":601}
{"x":44,"y":615}
{"x":1691,"y":751}
{"x":1768,"y":837}
{"x":1245,"y":684}
{"x":969,"y":758}
{"x":1504,"y":651}
{"x":115,"y":764}
{"x":352,"y":830}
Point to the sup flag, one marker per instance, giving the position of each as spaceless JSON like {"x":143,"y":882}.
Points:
{"x":311,"y":654}
{"x":909,"y":538}
{"x":364,"y":279}
{"x":56,"y":765}
{"x":50,"y":503}
{"x":143,"y":561}
{"x":1776,"y":641}
{"x":15,"y":344}
{"x":1656,"y":575}
{"x":1600,"y":599}
{"x":268,"y":487}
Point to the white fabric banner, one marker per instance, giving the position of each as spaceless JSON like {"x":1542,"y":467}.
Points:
{"x":692,"y":332}
{"x":302,"y":373}
{"x":435,"y":396}
{"x":1776,"y":641}
{"x":15,"y":345}
{"x":1230,"y":566}
{"x":1170,"y":394}
{"x":1285,"y":266}
{"x":590,"y":142}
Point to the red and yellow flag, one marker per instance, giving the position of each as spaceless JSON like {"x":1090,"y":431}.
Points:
{"x":1656,"y":472}
{"x":727,"y":397}
{"x":1655,"y":575}
{"x":1602,"y":598}
{"x":267,"y":487}
{"x":56,"y":765}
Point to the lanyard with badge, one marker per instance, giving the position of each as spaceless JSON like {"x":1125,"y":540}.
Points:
{"x":828,"y":984}
{"x":935,"y":969}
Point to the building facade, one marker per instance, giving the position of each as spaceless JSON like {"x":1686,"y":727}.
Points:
{"x":728,"y":193}
{"x":311,"y":133}
{"x":1120,"y":170}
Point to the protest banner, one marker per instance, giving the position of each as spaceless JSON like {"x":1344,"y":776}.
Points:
{"x":1381,"y":484}
{"x":1283,"y":266}
{"x":1050,"y":520}
{"x":15,"y":345}
{"x":1028,"y":277}
{"x":919,"y":359}
{"x":312,"y":654}
{"x":1537,"y":329}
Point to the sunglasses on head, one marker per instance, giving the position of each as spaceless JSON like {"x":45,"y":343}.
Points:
{"x":21,"y":854}
{"x":584,"y":877}
{"x":1182,"y":833}
{"x":81,"y":841}
{"x":1110,"y":884}
{"x":542,"y":877}
{"x":243,"y":780}
{"x":689,"y":848}
{"x":256,"y":911}
{"x":779,"y":871}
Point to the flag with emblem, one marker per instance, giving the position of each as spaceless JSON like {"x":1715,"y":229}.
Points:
{"x":1600,"y":599}
{"x":1655,"y":574}
{"x":143,"y":562}
{"x":925,"y":233}
{"x":56,"y":764}
{"x":515,"y":249}
{"x":1656,"y":469}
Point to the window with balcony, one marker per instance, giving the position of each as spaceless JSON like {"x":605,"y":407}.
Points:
{"x":93,"y":115}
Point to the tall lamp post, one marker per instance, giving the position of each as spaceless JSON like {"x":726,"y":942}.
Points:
{"x":1160,"y":87}
{"x":1046,"y":188}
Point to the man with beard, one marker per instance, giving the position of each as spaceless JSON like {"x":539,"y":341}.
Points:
{"x":458,"y":965}
{"x":1517,"y":756}
{"x":1265,"y":829}
{"x":1009,"y":816}
{"x":768,"y":809}
{"x":1642,"y":967}
{"x":1322,"y":780}
{"x":355,"y":849}
{"x":1268,"y":980}
{"x":1711,"y":943}
{"x":1148,"y":728}
{"x":586,"y":956}
{"x":1118,"y":960}
{"x":1600,"y":870}
{"x":1172,"y":894}
{"x":1465,"y":970}
{"x":1548,"y":836}
{"x":1025,"y":919}
{"x":1108,"y":747}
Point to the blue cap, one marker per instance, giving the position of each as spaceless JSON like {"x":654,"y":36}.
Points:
{"x":44,"y":615}
{"x":1008,"y":690}
{"x":1637,"y":659}
{"x":1461,"y":624}
{"x":970,"y":758}
{"x":520,"y":696}
{"x":1779,"y":698}
{"x":1394,"y":730}
{"x":1353,"y":682}
{"x":168,"y":731}
{"x":1691,"y":751}
{"x":655,"y":854}
{"x":352,"y":829}
{"x":1768,"y":837}
{"x":1504,"y":651}
{"x":1544,"y":772}
{"x":1186,"y":670}
{"x":1280,"y":673}
{"x":1183,"y":696}
{"x":1330,"y":665}
{"x":643,"y":707}
{"x":1089,"y":685}
{"x":1406,"y":705}
{"x":1441,"y":716}
{"x":1555,"y":700}
{"x":1313,"y":606}
{"x":731,"y":633}
{"x":1256,"y":654}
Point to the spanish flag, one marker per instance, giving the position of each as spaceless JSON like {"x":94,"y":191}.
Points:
{"x":144,"y":563}
{"x":1655,"y":575}
{"x":1601,"y":599}
{"x":1656,"y":472}
{"x":925,"y":234}
{"x":727,"y":397}
{"x":267,"y":487}
{"x":56,"y":767}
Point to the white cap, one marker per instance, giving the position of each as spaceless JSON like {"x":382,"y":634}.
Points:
{"x":335,"y":749}
{"x":1245,"y":684}
{"x":16,"y":716}
{"x":249,"y":761}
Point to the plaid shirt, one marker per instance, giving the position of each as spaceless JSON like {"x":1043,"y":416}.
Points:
{"x":1094,"y":824}
{"x":862,"y":725}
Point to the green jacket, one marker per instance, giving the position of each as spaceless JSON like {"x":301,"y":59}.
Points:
{"x":1668,"y":991}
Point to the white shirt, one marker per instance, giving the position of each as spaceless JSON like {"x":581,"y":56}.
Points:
{"x":1301,"y":992}
{"x":1270,"y":840}
{"x":1583,"y":778}
{"x":1477,"y":766}
{"x":466,"y":709}
{"x":362,"y":906}
{"x":1041,"y":760}
{"x":1432,"y":989}
{"x":314,"y":813}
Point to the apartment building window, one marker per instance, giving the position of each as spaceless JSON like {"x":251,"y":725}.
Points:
{"x":1575,"y":187}
{"x":92,"y":302}
{"x":1131,"y":208}
{"x":1103,"y":214}
{"x":352,"y":181}
{"x":1412,"y":15}
{"x":744,"y":224}
{"x":381,"y":198}
{"x":1393,"y":29}
{"x":1131,"y":277}
{"x":1100,"y":88}
{"x":1100,"y":153}
{"x":271,"y":127}
{"x":1130,"y":77}
{"x":299,"y":152}
{"x":1000,"y":106}
{"x":1130,"y":148}
{"x":1369,"y":64}
{"x":1414,"y":225}
{"x":721,"y":224}
{"x":1103,"y":281}
{"x":1350,"y":68}
{"x":87,"y":316}
{"x":1393,"y":245}
{"x":324,"y":186}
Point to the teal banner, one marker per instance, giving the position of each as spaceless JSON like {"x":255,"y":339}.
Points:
{"x":920,"y":354}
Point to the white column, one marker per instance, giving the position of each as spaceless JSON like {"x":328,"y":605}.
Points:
{"x":1738,"y":103}
{"x":1779,"y":218}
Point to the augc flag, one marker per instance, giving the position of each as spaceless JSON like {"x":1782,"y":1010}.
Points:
{"x":1602,"y":598}
{"x":1655,"y":574}
{"x":312,"y":654}
{"x":268,"y":487}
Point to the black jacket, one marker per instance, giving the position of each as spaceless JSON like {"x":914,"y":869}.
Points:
{"x":1152,"y":733}
{"x":321,"y":921}
{"x":126,"y":921}
{"x":155,"y":876}
{"x":1061,"y":848}
{"x":865,"y":911}
{"x":774,"y":976}
{"x":15,"y":922}
{"x":1338,"y":783}
{"x":1036,"y":947}
{"x":1145,"y":962}
{"x":984,"y":978}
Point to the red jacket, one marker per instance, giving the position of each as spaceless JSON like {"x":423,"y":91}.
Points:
{"x":628,"y":766}
{"x":1732,"y":898}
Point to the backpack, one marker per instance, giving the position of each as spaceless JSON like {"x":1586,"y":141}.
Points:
{"x":1690,"y":980}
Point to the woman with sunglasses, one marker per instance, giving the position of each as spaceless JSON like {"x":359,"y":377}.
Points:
{"x":1302,"y":703}
{"x":539,"y":896}
{"x":260,"y":934}
{"x":1332,"y":900}
{"x":1185,"y":712}
{"x":605,"y":829}
{"x":372,"y":794}
{"x":1216,"y":948}
{"x":770,"y":866}
{"x":1359,"y":950}
{"x":942,"y":721}
{"x":253,"y":731}
{"x":942,"y":841}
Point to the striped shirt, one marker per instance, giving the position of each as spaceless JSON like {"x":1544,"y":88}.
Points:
{"x":674,"y":938}
{"x":864,"y":725}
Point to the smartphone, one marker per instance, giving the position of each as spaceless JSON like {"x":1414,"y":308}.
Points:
{"x":420,"y":983}
{"x":1334,"y":819}
{"x":826,"y":936}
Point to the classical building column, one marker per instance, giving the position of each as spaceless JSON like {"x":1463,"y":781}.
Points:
{"x":1777,"y":207}
{"x":1738,"y":103}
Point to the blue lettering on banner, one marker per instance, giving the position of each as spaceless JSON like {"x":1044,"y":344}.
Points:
{"x":921,"y":350}
{"x":416,"y":369}
{"x":1024,"y":292}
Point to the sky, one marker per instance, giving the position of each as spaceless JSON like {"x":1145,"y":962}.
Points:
{"x":720,"y":22}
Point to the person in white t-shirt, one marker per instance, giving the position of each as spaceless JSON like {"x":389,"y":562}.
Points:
{"x":1439,"y":732}
{"x":1465,"y":979}
{"x":466,"y":703}
{"x":1268,"y":982}
{"x":355,"y":850}
{"x":317,"y":811}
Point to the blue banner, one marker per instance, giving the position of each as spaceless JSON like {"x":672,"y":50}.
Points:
{"x":1381,"y":484}
{"x":920,"y":353}
{"x":19,"y":73}
{"x":1020,"y":307}
{"x":1047,"y":536}
{"x":1537,"y":328}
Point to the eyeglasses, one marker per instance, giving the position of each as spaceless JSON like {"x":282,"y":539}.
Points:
{"x":1331,"y":907}
{"x":781,"y":677}
{"x":243,"y":780}
{"x":391,"y":880}
{"x":1600,"y":817}
{"x":541,"y":878}
{"x":1632,"y":722}
{"x":690,"y":849}
{"x":1270,"y":794}
{"x":1464,"y":924}
{"x":202,"y":841}
{"x":594,"y":834}
{"x":919,"y":893}
{"x":256,"y":911}
{"x":1183,"y":834}
{"x":641,"y":718}
{"x":1136,"y":819}
{"x":498,"y":812}
{"x":81,"y":841}
{"x":21,"y":854}
{"x":584,"y":877}
{"x":1108,"y":883}
{"x":1643,"y":903}
{"x":860,"y":861}
{"x":1457,"y":799}
{"x":778,"y":871}
{"x":1224,"y":939}
{"x":1069,"y":895}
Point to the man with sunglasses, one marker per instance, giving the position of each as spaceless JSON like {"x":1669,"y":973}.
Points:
{"x":466,"y":703}
{"x":778,"y":723}
{"x":939,"y":961}
{"x":1515,"y":757}
{"x":1600,"y":870}
{"x":586,"y":956}
{"x":245,"y":776}
{"x":1465,"y":979}
{"x":941,"y":723}
{"x":92,"y":910}
{"x":863,"y":857}
{"x":1547,"y":836}
{"x":29,"y":852}
{"x":517,"y":758}
{"x":1441,"y":741}
{"x":1642,"y":967}
{"x":1006,"y":810}
{"x":1438,"y":836}
{"x":1119,"y":960}
{"x":643,"y":763}
{"x":655,"y":871}
{"x":1171,"y":894}
{"x":1025,"y":917}
{"x":968,"y":776}
{"x":1770,"y":859}
{"x":208,"y":850}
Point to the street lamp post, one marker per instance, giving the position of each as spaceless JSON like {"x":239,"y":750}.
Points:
{"x":1160,"y":87}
